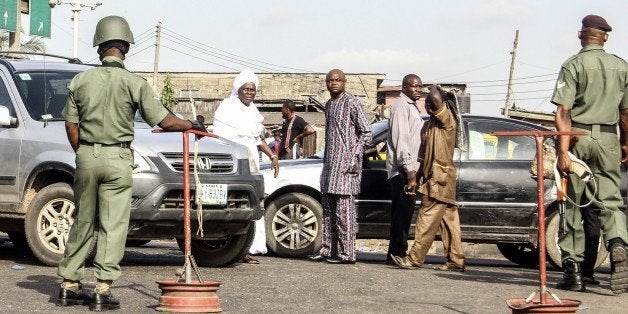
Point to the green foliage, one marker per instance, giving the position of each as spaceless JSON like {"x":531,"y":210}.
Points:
{"x":167,"y":93}
{"x":33,"y":44}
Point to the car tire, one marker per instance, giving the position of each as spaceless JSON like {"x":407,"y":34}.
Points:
{"x":18,"y":239}
{"x":523,"y":254}
{"x":47,"y":223}
{"x":293,"y":225}
{"x":218,"y":253}
{"x":553,"y":250}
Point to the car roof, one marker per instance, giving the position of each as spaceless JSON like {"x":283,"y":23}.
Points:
{"x":503,"y":119}
{"x":475,"y":117}
{"x":20,"y":65}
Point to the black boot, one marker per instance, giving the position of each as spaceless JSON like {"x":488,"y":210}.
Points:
{"x":104,"y":302}
{"x":619,"y":265}
{"x":69,"y":297}
{"x":572,"y":279}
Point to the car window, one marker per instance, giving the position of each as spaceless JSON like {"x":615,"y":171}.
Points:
{"x":484,"y":146}
{"x":5,"y":99}
{"x":44,"y":93}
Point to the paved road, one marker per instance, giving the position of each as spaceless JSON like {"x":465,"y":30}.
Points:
{"x":296,"y":285}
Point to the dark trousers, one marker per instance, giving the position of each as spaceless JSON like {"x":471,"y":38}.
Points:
{"x":401,"y":211}
{"x":592,"y":226}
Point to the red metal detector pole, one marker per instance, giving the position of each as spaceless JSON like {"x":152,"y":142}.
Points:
{"x":189,"y":295}
{"x":528,"y":303}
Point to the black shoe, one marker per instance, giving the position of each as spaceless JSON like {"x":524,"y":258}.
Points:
{"x":104,"y":302}
{"x":572,"y":279}
{"x":590,"y":280}
{"x":317,"y":258}
{"x":69,"y":297}
{"x":619,"y":267}
{"x":338,"y":261}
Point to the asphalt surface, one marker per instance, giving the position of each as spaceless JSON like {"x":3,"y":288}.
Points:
{"x":298,"y":285}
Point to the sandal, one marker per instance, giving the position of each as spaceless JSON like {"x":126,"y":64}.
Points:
{"x":450,"y":267}
{"x":247,"y":259}
{"x":403,"y":262}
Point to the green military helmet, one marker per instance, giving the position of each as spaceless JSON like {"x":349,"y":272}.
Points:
{"x":113,"y":28}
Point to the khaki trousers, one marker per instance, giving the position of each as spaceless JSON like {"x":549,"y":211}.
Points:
{"x":435,"y":216}
{"x":602,"y":153}
{"x":102,"y":192}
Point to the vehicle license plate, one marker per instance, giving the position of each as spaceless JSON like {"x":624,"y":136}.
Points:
{"x":214,"y":194}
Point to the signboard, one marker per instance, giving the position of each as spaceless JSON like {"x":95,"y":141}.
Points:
{"x":8,"y":15}
{"x":40,"y":18}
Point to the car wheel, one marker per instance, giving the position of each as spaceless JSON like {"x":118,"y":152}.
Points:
{"x":523,"y":254}
{"x":217,"y":253}
{"x":293,"y":225}
{"x":136,"y":242}
{"x":47,"y":223}
{"x":553,"y":250}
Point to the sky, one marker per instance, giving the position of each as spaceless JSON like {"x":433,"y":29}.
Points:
{"x":443,"y":41}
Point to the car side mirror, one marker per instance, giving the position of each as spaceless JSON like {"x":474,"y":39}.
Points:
{"x":6,"y":119}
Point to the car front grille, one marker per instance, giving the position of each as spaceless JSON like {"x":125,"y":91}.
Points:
{"x":206,"y":163}
{"x":235,"y":200}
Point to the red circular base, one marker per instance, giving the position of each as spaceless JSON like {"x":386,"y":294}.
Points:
{"x":551,"y":306}
{"x":189,"y":297}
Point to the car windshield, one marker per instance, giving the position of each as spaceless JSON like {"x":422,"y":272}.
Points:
{"x":44,"y":92}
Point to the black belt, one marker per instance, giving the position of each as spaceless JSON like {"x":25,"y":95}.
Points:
{"x":121,"y":145}
{"x":603,"y":127}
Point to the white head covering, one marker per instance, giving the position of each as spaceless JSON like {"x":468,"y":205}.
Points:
{"x":238,"y":122}
{"x":246,"y":76}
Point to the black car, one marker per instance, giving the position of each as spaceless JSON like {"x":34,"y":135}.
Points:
{"x":496,"y":195}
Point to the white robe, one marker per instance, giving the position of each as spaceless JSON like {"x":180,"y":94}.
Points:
{"x":242,"y":124}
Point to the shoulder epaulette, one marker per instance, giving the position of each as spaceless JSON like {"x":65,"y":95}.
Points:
{"x":570,"y":59}
{"x":618,"y":57}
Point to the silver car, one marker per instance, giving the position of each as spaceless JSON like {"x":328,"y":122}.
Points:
{"x":37,"y":169}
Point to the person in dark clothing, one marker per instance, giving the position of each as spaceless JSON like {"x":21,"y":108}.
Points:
{"x":293,"y":130}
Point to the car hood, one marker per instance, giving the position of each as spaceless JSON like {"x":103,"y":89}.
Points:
{"x":149,"y":143}
{"x":303,"y":172}
{"x":291,"y":163}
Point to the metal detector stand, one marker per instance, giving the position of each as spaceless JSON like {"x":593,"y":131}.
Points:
{"x":529,"y":304}
{"x":189,"y":295}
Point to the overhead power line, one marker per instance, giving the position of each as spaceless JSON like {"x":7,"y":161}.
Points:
{"x":517,"y":99}
{"x":235,"y":56}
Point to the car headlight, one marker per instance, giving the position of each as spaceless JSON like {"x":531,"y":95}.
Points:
{"x":252,"y":164}
{"x":141,"y":164}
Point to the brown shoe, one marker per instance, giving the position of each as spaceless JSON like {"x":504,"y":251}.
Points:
{"x":404,"y":262}
{"x":450,"y":267}
{"x":247,"y":259}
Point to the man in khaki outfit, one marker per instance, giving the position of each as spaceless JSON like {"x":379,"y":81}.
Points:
{"x":591,"y":95}
{"x":438,"y":212}
{"x":100,"y":127}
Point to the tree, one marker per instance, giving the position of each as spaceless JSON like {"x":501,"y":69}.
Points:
{"x":34,"y":44}
{"x":167,"y":93}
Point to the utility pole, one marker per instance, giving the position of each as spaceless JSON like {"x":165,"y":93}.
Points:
{"x":156,"y":64}
{"x":15,"y":38}
{"x":77,"y":7}
{"x":512,"y":69}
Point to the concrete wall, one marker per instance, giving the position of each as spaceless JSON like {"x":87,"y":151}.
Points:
{"x":208,"y":89}
{"x":273,"y":89}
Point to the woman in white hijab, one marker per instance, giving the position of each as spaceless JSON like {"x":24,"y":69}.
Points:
{"x":237,"y":119}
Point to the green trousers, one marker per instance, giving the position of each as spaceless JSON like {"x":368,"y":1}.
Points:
{"x":102,"y":191}
{"x":602,"y":153}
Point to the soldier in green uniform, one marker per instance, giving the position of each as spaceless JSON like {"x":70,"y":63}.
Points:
{"x":592,"y":95}
{"x":99,"y":118}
